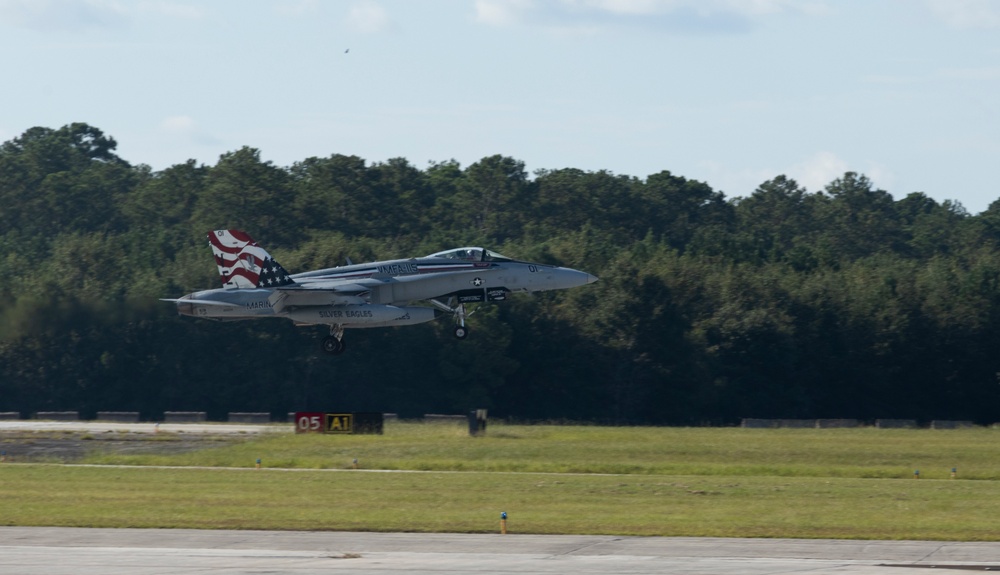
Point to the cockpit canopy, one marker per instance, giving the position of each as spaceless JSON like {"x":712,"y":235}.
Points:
{"x":471,"y":255}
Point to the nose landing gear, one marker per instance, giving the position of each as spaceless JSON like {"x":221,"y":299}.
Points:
{"x":461,"y":331}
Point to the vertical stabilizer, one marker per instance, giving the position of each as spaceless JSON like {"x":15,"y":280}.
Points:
{"x":244,"y":264}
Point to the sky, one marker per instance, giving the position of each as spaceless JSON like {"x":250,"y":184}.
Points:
{"x":728,"y":92}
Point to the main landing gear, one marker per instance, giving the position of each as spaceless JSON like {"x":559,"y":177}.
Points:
{"x":333,"y":344}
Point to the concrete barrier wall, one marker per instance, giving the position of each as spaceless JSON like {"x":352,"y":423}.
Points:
{"x":248,"y":417}
{"x":797,"y":423}
{"x":945,"y":424}
{"x":58,"y":415}
{"x":118,"y":416}
{"x":755,"y":423}
{"x":837,"y":423}
{"x":896,"y":423}
{"x":184,"y":416}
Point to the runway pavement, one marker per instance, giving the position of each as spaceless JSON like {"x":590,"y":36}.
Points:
{"x":107,"y":426}
{"x":56,"y":551}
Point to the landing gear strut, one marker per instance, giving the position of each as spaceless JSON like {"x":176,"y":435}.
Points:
{"x":461,"y":331}
{"x":333,"y":344}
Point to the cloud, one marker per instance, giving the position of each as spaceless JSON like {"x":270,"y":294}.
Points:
{"x":185,"y":128}
{"x":818,"y":170}
{"x":690,"y":16}
{"x":368,"y":17}
{"x":173,"y":9}
{"x":966,"y":14}
{"x":986,"y":73}
{"x":297,"y":7}
{"x":744,"y":7}
{"x":61,"y":15}
{"x":733,"y":182}
{"x":178,"y":125}
{"x":882,"y":178}
{"x":84,"y":15}
{"x":767,"y":7}
{"x":813,"y":173}
{"x":502,"y":13}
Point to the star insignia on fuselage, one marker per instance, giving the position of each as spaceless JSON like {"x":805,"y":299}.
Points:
{"x":477,"y":282}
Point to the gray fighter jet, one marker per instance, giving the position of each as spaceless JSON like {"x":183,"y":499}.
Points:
{"x":376,"y":294}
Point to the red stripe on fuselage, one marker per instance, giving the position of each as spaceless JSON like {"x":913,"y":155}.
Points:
{"x":369,"y":272}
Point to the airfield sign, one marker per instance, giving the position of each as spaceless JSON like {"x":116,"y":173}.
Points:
{"x":337,"y":423}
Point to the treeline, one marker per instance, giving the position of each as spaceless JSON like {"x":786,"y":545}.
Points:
{"x":788,"y":303}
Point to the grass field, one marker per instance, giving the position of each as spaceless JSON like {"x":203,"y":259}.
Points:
{"x":838,"y":483}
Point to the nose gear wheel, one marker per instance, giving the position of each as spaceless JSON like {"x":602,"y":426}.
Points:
{"x":461,"y":330}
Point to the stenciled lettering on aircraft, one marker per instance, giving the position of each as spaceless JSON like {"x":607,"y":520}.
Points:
{"x":397,"y":269}
{"x":339,"y":314}
{"x":262,"y":304}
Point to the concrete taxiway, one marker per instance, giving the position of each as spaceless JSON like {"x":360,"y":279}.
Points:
{"x":112,"y":427}
{"x":56,"y":551}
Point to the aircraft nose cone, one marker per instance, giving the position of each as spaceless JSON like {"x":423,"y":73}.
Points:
{"x":573,"y":278}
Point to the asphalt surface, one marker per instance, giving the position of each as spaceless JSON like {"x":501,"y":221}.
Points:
{"x":55,"y":551}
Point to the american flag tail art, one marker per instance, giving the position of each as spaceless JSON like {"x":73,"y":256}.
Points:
{"x":243,"y":264}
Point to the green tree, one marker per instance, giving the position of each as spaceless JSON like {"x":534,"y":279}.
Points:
{"x":777,"y":223}
{"x":243,"y":192}
{"x":334,"y":193}
{"x":63,"y":180}
{"x":858,"y":221}
{"x":677,"y":209}
{"x":492,"y":197}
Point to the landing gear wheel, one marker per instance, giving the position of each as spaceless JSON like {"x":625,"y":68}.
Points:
{"x":333,"y":346}
{"x":461,"y":332}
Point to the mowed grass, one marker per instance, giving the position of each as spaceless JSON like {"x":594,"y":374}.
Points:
{"x":550,"y":479}
{"x":854,"y":453}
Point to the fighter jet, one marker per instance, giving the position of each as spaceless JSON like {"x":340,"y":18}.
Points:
{"x":376,"y":294}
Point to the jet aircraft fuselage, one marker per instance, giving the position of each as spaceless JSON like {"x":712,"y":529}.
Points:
{"x":376,"y":294}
